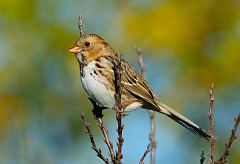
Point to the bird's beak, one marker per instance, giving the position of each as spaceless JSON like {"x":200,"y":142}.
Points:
{"x":75,"y":49}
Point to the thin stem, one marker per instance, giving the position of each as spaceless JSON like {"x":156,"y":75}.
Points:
{"x":211,"y":129}
{"x":152,"y":136}
{"x":106,"y":139}
{"x":202,"y":157}
{"x":97,"y":112}
{"x":151,"y":113}
{"x":91,"y":137}
{"x":80,"y":25}
{"x":118,"y":107}
{"x":140,"y":62}
{"x":145,"y":154}
{"x":229,"y":142}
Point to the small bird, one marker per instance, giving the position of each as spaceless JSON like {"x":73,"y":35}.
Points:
{"x":97,"y":61}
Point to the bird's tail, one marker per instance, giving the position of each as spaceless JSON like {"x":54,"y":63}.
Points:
{"x":182,"y":120}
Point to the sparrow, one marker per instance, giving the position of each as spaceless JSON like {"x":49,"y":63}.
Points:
{"x":97,"y":61}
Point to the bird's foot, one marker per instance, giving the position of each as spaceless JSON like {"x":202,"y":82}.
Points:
{"x":119,"y":111}
{"x":97,"y":110}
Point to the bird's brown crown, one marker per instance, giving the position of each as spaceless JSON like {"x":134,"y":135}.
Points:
{"x":92,"y":47}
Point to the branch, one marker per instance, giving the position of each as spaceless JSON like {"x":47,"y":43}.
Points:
{"x":211,"y":129}
{"x":118,"y":107}
{"x":151,"y":113}
{"x":222,"y":159}
{"x":202,"y":157}
{"x":229,"y":142}
{"x":152,"y":136}
{"x":80,"y":26}
{"x":94,"y":147}
{"x":106,"y":139}
{"x":145,"y":154}
{"x":140,"y":62}
{"x":97,"y":112}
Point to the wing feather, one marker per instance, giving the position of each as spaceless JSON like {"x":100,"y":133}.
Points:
{"x":135,"y":83}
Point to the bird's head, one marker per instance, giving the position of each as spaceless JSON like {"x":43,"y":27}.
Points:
{"x":91,"y":47}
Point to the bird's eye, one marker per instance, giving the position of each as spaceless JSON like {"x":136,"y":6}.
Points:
{"x":87,"y":44}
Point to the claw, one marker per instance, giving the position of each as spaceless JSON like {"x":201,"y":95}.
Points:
{"x":121,"y":112}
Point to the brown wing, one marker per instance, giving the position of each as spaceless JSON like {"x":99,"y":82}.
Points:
{"x":135,"y":83}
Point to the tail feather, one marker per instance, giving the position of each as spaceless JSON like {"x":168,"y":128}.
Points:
{"x":182,"y":120}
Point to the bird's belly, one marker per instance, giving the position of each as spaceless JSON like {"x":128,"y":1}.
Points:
{"x":96,"y":90}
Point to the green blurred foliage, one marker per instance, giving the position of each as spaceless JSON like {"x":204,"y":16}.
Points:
{"x":203,"y":35}
{"x":40,"y":81}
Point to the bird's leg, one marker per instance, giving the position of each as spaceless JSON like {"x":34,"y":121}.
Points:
{"x":124,"y":104}
{"x":97,"y":110}
{"x":121,"y":112}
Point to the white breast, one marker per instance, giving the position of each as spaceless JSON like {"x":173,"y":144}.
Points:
{"x":95,"y":88}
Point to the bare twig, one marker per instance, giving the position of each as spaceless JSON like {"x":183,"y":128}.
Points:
{"x":229,"y":142}
{"x":202,"y":157}
{"x":106,"y":139}
{"x":152,"y":136}
{"x":211,"y":129}
{"x":145,"y":154}
{"x":80,"y":25}
{"x":118,"y":107}
{"x":140,"y":62}
{"x":151,"y":113}
{"x":118,"y":85}
{"x":94,"y":147}
{"x":222,"y":159}
{"x":97,"y":112}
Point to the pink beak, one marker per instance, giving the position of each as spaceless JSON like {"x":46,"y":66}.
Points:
{"x":75,"y":49}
